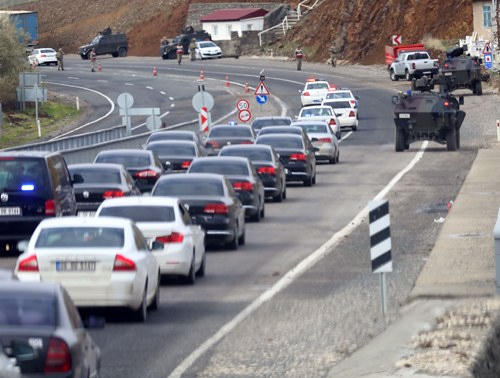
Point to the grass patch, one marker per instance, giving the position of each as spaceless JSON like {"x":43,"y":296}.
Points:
{"x":19,"y":127}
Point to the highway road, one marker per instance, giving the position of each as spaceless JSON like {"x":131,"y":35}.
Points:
{"x":291,"y":231}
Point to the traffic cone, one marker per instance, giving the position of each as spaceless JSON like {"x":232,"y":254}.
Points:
{"x":227,"y":81}
{"x":155,"y":72}
{"x":202,"y":75}
{"x":247,"y":89}
{"x":99,"y":67}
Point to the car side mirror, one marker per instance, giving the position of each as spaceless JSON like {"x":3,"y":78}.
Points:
{"x":77,"y":179}
{"x":461,"y":100}
{"x":156,"y":246}
{"x":22,"y":245}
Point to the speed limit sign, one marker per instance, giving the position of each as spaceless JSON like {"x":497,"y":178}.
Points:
{"x":244,"y":115}
{"x":242,"y":104}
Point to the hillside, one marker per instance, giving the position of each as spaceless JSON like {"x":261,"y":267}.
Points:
{"x":362,"y":28}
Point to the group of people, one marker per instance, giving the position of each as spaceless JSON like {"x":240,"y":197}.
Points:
{"x":60,"y":59}
{"x":179,"y":49}
{"x":333,"y":50}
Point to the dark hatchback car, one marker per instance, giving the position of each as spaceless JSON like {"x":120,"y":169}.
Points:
{"x":40,"y":325}
{"x":212,"y":204}
{"x":297,"y":157}
{"x":260,"y":122}
{"x":175,"y":155}
{"x":268,"y":165}
{"x":33,"y":186}
{"x":242,"y":175}
{"x":221,"y":135}
{"x":144,"y":166}
{"x":176,"y":135}
{"x":100,"y":182}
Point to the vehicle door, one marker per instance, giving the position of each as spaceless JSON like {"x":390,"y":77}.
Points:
{"x":399,"y":64}
{"x":64,"y":194}
{"x":149,"y":261}
{"x":195,"y":232}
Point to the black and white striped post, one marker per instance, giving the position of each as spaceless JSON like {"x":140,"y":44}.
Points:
{"x":380,"y":244}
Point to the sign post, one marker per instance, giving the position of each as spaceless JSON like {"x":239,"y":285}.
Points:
{"x":205,"y":100}
{"x":125,"y":102}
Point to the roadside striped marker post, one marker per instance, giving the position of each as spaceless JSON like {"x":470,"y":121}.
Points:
{"x":380,"y":244}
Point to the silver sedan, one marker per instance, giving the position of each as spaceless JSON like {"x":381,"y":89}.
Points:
{"x":326,"y":144}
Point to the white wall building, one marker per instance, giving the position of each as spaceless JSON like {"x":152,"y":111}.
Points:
{"x":222,"y":22}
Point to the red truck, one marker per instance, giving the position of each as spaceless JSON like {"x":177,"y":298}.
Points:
{"x":392,"y":52}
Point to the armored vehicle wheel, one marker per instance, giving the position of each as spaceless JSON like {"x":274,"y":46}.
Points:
{"x":400,"y":139}
{"x":407,"y":75}
{"x":114,"y":55}
{"x":478,"y":88}
{"x":451,"y":139}
{"x":407,"y":146}
{"x":393,"y":75}
{"x":172,"y":55}
{"x":122,"y":52}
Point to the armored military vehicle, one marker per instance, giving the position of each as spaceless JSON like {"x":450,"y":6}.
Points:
{"x":462,"y":71}
{"x":424,"y":114}
{"x":169,"y":50}
{"x":106,"y":42}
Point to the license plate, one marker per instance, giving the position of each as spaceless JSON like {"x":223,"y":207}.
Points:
{"x":404,"y":115}
{"x":448,"y":73}
{"x":10,"y":211}
{"x":75,"y":266}
{"x":86,"y":213}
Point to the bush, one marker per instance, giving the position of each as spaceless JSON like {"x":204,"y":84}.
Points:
{"x":12,"y":61}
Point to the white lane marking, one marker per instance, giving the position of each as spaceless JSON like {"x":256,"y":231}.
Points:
{"x":150,"y":88}
{"x":172,"y":105}
{"x":129,"y":84}
{"x":73,"y":78}
{"x":88,"y":123}
{"x":294,"y":273}
{"x":163,"y":93}
{"x":171,"y":98}
{"x":102,"y":81}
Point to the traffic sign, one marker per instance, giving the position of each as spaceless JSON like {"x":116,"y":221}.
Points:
{"x":153,"y":122}
{"x":262,"y":89}
{"x":203,"y":99}
{"x":204,"y":120}
{"x":244,"y":115}
{"x":125,"y":100}
{"x":261,"y":99}
{"x":488,"y":61}
{"x":487,"y":48}
{"x":396,"y":39}
{"x":242,"y":104}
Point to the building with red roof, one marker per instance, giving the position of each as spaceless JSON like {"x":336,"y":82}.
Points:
{"x":222,"y":22}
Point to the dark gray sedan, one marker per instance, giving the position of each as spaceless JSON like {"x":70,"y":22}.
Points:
{"x":39,"y":322}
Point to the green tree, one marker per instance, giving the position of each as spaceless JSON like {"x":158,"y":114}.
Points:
{"x":12,"y":60}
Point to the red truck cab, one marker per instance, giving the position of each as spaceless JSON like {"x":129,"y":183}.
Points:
{"x":392,"y":52}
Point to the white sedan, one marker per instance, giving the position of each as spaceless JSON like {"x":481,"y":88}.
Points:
{"x":314,"y":92}
{"x":321,"y":113}
{"x":207,"y":50}
{"x":102,"y":262}
{"x":346,"y":112}
{"x":43,"y":56}
{"x":167,"y":221}
{"x":326,"y":144}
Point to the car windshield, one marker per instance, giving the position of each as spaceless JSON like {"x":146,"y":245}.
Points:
{"x":207,"y":44}
{"x":281,"y":142}
{"x":280,"y":130}
{"x":189,"y":188}
{"x":230,"y":132}
{"x":317,"y":86}
{"x":168,"y":136}
{"x":316,"y":112}
{"x":260,"y":123}
{"x":251,"y":154}
{"x":128,"y":161}
{"x":80,"y":237}
{"x":219,"y":167}
{"x":95,"y":40}
{"x":339,"y":104}
{"x":172,"y":149}
{"x":47,"y":51}
{"x":23,"y":309}
{"x":141,"y":213}
{"x":97,"y":176}
{"x":319,"y":128}
{"x":22,"y":174}
{"x":340,"y":95}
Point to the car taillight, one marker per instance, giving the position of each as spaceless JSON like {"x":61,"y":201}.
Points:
{"x":113,"y":194}
{"x":305,"y":94}
{"x":332,"y":122}
{"x":174,"y":237}
{"x":43,"y":56}
{"x":353,"y":102}
{"x":244,"y":185}
{"x":267,"y":170}
{"x":213,"y":144}
{"x":50,"y":207}
{"x":325,"y":140}
{"x":297,"y":157}
{"x":446,"y":104}
{"x":216,"y":208}
{"x":122,"y":264}
{"x":351,"y":114}
{"x":186,"y":164}
{"x":58,"y":358}
{"x":29,"y":264}
{"x":146,"y":173}
{"x":446,"y":65}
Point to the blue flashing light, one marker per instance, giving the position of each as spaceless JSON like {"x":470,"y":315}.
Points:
{"x":27,"y":187}
{"x":232,"y":123}
{"x":408,"y":92}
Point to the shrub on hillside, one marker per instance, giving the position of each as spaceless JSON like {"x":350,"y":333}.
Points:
{"x":12,"y":61}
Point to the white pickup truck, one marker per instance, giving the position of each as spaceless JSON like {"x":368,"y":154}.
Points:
{"x":412,"y":64}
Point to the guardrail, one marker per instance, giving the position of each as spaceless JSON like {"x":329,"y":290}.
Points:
{"x":284,"y":24}
{"x":302,"y":4}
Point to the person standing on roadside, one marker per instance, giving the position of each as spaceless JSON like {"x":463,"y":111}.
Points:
{"x":60,"y":59}
{"x":298,"y":57}
{"x":192,"y":49}
{"x":93,"y":59}
{"x":179,"y":51}
{"x":334,"y":51}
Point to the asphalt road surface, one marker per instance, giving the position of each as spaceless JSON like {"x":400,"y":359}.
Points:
{"x":290,"y":232}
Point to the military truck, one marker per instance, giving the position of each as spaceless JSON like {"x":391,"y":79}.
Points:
{"x":169,"y":50}
{"x":424,"y":114}
{"x":462,"y":71}
{"x":106,"y":42}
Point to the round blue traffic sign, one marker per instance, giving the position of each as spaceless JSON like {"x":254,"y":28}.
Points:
{"x":261,"y":99}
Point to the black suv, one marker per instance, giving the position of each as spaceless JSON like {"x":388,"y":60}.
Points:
{"x":106,"y":43}
{"x":169,"y":50}
{"x":33,"y":186}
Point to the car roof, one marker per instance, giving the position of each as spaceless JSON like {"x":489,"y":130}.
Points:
{"x":27,"y":153}
{"x":179,"y":132}
{"x":276,"y":136}
{"x":281,"y":128}
{"x":336,"y":100}
{"x":247,"y":147}
{"x":232,"y":126}
{"x":239,"y":159}
{"x":125,"y":151}
{"x":309,"y":122}
{"x":140,"y":201}
{"x":15,"y":286}
{"x":193,"y":176}
{"x":172,"y":142}
{"x":100,"y":166}
{"x":72,"y":221}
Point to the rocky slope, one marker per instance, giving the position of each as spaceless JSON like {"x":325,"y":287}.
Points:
{"x":361,"y":27}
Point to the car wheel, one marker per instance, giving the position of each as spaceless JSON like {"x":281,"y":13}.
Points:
{"x":478,"y":88}
{"x":333,"y":160}
{"x":156,"y":301}
{"x":114,"y":54}
{"x":308,"y":182}
{"x":400,"y":140}
{"x":407,"y":75}
{"x":393,"y":76}
{"x":457,"y":132}
{"x":242,"y":238}
{"x":202,"y":269}
{"x":278,"y":197}
{"x":263,"y":209}
{"x":257,"y":216}
{"x":338,"y":156}
{"x":354,"y":128}
{"x":284,"y":192}
{"x":191,"y":277}
{"x":451,"y":139}
{"x":233,"y":244}
{"x":122,"y":52}
{"x":314,"y":178}
{"x":140,"y":314}
{"x":172,"y":55}
{"x":339,"y":135}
